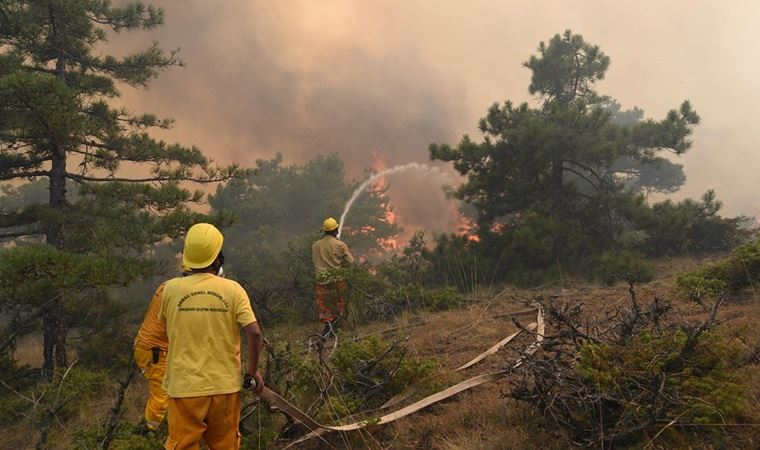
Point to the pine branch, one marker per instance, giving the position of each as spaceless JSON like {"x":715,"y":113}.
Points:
{"x":585,"y":178}
{"x":586,"y":168}
{"x":32,"y":174}
{"x":83,"y":178}
{"x":36,"y":314}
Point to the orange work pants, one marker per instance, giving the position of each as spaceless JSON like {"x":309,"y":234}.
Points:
{"x":211,"y":417}
{"x":330,"y":300}
{"x":158,"y":400}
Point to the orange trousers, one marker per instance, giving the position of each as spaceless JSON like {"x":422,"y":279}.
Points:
{"x":158,"y":400}
{"x":329,"y":296}
{"x":211,"y":417}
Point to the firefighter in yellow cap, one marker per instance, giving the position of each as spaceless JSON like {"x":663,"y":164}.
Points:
{"x":330,"y":255}
{"x":203,"y":313}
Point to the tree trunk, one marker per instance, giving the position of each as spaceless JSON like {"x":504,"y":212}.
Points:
{"x":53,"y":331}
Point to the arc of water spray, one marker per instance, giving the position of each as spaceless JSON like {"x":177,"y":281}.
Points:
{"x":358,"y":191}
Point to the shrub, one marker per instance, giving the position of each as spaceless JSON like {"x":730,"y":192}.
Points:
{"x":411,"y":267}
{"x":358,"y":376}
{"x":371,"y":371}
{"x":56,"y":402}
{"x":635,"y":376}
{"x":652,"y":373}
{"x":690,"y":227}
{"x":723,"y":278}
{"x":412,"y":297}
{"x":626,"y":266}
{"x":535,"y":250}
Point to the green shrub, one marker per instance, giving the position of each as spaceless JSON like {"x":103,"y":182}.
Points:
{"x":358,"y":376}
{"x":612,"y":267}
{"x":646,"y":383}
{"x":690,"y":227}
{"x":57,"y":402}
{"x":532,"y":251}
{"x":412,"y":297}
{"x":383,"y":370}
{"x":726,"y":277}
{"x":128,"y":436}
{"x":411,"y":266}
{"x":636,"y":375}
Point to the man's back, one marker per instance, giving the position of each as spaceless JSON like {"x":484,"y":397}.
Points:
{"x":329,"y":254}
{"x":203,"y":313}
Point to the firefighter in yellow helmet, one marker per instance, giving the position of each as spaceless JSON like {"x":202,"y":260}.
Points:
{"x":330,"y":255}
{"x":203,"y":313}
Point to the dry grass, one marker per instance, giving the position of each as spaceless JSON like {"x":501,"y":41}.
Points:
{"x":483,"y":418}
{"x":477,"y":419}
{"x":29,"y":351}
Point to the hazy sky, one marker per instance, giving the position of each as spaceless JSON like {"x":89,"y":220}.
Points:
{"x":361,"y":77}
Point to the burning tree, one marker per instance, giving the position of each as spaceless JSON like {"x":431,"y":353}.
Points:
{"x":59,"y":123}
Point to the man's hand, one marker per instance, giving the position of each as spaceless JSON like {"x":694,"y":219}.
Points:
{"x":253,"y":332}
{"x":254,"y":381}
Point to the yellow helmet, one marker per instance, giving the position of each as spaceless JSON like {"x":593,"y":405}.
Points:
{"x":202,"y":245}
{"x":329,"y":224}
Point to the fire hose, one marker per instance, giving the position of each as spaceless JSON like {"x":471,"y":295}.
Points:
{"x":317,"y":429}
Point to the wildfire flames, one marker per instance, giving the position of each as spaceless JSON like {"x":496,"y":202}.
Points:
{"x":463,"y":225}
{"x":380,"y":188}
{"x":466,"y":228}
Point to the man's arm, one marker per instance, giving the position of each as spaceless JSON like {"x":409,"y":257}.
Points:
{"x":253,"y":334}
{"x":348,"y":257}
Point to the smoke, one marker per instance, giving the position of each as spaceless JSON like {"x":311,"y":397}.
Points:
{"x":300,"y":78}
{"x":359,"y":77}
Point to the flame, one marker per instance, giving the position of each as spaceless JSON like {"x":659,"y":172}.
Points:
{"x":466,"y":228}
{"x":379,"y":188}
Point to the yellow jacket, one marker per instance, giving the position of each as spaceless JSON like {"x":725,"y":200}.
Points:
{"x":152,"y":332}
{"x":329,"y":255}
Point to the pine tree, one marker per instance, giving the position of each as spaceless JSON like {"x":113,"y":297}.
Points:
{"x":573,"y":155}
{"x":59,"y":122}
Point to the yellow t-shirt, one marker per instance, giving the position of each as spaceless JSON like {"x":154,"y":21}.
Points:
{"x":203,"y":314}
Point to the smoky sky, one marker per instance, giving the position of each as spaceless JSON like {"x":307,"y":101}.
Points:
{"x":360,"y":77}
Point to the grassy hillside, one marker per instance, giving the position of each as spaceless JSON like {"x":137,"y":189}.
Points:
{"x":483,"y":418}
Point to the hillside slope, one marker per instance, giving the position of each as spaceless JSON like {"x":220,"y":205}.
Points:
{"x":483,"y":418}
{"x":480,"y":418}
